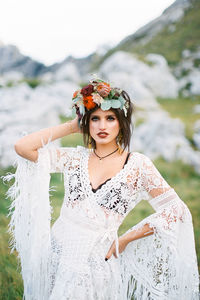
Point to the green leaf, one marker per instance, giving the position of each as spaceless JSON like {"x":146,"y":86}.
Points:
{"x":111,"y":94}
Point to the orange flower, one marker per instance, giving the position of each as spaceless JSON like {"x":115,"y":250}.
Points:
{"x":75,"y":94}
{"x":88,"y":102}
{"x":103,"y":89}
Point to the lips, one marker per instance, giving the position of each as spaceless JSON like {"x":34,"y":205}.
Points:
{"x":102,"y":134}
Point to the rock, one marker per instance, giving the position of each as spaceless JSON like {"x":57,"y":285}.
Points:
{"x":194,"y":79}
{"x":157,"y":60}
{"x":67,"y":71}
{"x":143,"y":81}
{"x":12,"y":60}
{"x":27,"y":110}
{"x":186,"y":53}
{"x":160,"y":79}
{"x":11,"y":77}
{"x":196,"y":109}
{"x":190,"y":83}
{"x":162,"y":136}
{"x":196,"y":136}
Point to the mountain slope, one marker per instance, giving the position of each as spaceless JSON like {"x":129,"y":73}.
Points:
{"x":177,"y":29}
{"x":12,"y":60}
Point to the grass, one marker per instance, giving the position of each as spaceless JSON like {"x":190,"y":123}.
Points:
{"x":179,"y":175}
{"x":171,"y":44}
{"x":11,"y":286}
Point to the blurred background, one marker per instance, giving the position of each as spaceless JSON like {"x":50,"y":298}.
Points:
{"x":151,"y":49}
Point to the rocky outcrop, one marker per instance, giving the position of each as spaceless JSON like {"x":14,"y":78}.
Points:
{"x":25,"y":110}
{"x":12,"y":60}
{"x":81,"y":64}
{"x":144,"y":82}
{"x":196,"y":136}
{"x":160,"y":135}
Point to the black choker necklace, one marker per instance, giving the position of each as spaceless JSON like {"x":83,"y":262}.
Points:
{"x":102,"y":157}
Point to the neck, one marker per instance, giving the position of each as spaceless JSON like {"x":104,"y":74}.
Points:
{"x":103,"y":150}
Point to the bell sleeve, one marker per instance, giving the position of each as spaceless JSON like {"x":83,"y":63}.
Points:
{"x":58,"y":157}
{"x":30,"y":216}
{"x":162,"y":265}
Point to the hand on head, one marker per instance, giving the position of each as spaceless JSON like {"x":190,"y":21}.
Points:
{"x":76,"y":126}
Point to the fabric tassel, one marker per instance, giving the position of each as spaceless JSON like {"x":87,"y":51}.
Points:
{"x":164,"y":264}
{"x":29,"y":226}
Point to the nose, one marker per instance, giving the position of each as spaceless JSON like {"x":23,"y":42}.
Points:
{"x":102,"y":124}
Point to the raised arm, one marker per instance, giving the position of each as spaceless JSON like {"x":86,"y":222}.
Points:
{"x":28,"y":145}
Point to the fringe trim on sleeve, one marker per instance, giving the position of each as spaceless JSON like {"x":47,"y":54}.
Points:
{"x":162,"y":265}
{"x":29,"y":225}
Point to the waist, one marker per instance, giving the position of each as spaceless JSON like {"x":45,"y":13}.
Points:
{"x":106,"y":227}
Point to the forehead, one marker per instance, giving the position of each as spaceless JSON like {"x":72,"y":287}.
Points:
{"x":100,"y":112}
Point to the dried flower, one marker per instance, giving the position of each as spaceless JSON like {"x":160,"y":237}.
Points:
{"x":103,"y":89}
{"x":97,"y":99}
{"x":87,"y":90}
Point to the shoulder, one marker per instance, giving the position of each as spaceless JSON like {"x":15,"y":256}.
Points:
{"x":77,"y":149}
{"x":60,"y":152}
{"x":140,"y":157}
{"x":81,"y":149}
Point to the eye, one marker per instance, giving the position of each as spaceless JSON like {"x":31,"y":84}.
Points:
{"x":111,"y":118}
{"x":94,"y":118}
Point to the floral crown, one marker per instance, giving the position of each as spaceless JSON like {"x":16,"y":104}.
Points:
{"x":98,"y":93}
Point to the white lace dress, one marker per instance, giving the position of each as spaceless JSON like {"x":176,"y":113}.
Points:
{"x":67,"y":261}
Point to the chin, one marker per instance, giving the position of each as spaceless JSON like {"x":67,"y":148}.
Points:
{"x":103,"y":141}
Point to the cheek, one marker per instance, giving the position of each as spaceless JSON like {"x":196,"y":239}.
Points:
{"x":115,"y":127}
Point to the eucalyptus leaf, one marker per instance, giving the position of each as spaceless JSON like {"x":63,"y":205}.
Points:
{"x":106,"y":105}
{"x":115,"y":103}
{"x":122,"y":101}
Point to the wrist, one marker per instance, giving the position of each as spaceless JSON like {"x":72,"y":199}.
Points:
{"x":129,"y":237}
{"x":71,"y":127}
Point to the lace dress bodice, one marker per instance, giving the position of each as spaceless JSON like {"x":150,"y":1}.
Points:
{"x":119,"y":194}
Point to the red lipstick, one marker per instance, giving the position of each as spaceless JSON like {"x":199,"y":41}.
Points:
{"x":102,"y":134}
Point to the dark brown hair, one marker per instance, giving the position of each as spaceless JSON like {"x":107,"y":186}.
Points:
{"x":125,"y":123}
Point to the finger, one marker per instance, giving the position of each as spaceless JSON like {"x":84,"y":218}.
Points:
{"x":109,"y":254}
{"x":111,"y":251}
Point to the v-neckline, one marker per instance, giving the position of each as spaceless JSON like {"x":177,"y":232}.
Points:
{"x":108,"y":182}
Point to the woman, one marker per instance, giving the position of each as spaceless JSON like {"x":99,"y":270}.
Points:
{"x":81,"y":257}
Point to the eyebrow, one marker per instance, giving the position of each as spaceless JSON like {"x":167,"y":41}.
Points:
{"x":113,"y":115}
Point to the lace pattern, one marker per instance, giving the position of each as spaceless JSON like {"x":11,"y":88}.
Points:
{"x":160,"y":266}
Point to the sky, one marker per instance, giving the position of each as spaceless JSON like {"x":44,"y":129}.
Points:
{"x":50,"y":30}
